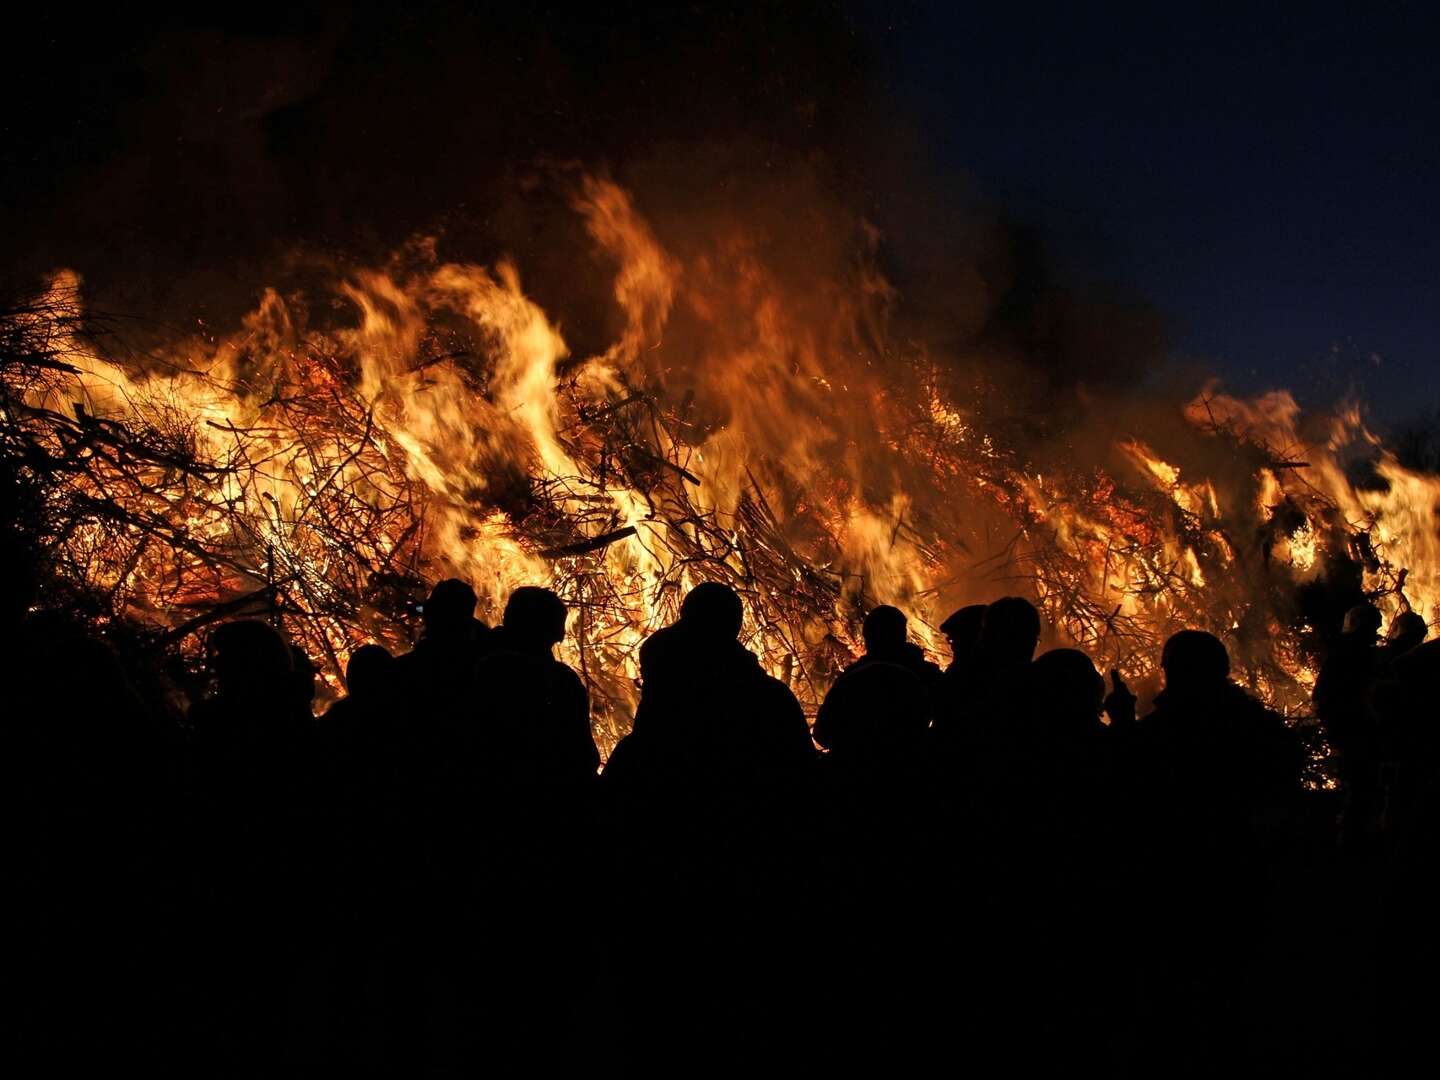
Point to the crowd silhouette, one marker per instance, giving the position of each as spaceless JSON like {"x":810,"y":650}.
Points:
{"x":998,"y":864}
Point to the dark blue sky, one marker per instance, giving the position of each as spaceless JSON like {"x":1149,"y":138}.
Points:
{"x":1266,"y":177}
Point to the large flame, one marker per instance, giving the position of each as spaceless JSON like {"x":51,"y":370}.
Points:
{"x":736,"y":428}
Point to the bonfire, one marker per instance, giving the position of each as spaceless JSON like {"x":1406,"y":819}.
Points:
{"x":321,"y":473}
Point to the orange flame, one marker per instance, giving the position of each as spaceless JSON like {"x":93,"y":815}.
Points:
{"x":772,"y":436}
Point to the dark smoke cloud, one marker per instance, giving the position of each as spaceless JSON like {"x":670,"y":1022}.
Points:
{"x":178,"y":164}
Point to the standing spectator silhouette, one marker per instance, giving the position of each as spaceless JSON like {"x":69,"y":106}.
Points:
{"x":705,"y":798}
{"x":435,"y":709}
{"x":539,"y":709}
{"x":531,"y":745}
{"x":877,"y":842}
{"x":1063,"y":827}
{"x":870,"y":713}
{"x":884,"y":632}
{"x":434,"y":699}
{"x":1396,"y":706}
{"x":515,"y":952}
{"x":91,"y":886}
{"x":706,"y":697}
{"x":433,"y":680}
{"x":1407,"y":945}
{"x":979,"y":697}
{"x":1341,"y":698}
{"x":256,"y":777}
{"x":358,"y":743}
{"x":1403,"y":701}
{"x":357,"y":737}
{"x":1218,"y":772}
{"x":1225,"y":754}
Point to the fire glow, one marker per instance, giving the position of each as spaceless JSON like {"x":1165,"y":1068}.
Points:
{"x":787,"y":444}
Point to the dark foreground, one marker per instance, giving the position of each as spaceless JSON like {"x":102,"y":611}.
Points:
{"x":974,"y":872}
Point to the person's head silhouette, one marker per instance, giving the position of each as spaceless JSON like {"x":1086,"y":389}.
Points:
{"x":250,"y":659}
{"x":368,"y":671}
{"x":1010,"y":631}
{"x":1362,"y":622}
{"x":1067,"y":689}
{"x":534,"y":619}
{"x":962,"y":628}
{"x":884,"y":629}
{"x":1194,"y":661}
{"x":1407,"y":630}
{"x":713,"y":612}
{"x":449,"y":611}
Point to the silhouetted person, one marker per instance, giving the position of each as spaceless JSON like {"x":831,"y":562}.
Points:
{"x":514,"y":950}
{"x":1062,"y":815}
{"x":705,"y":692}
{"x":1404,"y":704}
{"x":1407,"y":630}
{"x":359,"y":740}
{"x":256,"y":775}
{"x":979,"y":697}
{"x":962,"y":629}
{"x":705,"y":799}
{"x":1408,"y":946}
{"x":1009,"y":633}
{"x":1397,"y":707}
{"x":874,"y":711}
{"x":976,"y":740}
{"x":1341,"y":697}
{"x":434,"y":696}
{"x":1067,"y":694}
{"x":879,"y":856}
{"x":884,"y":631}
{"x":435,"y":676}
{"x":91,"y":891}
{"x":435,"y":714}
{"x":1219,"y":774}
{"x":358,"y":735}
{"x":539,"y":710}
{"x":358,"y":729}
{"x":1215,"y":737}
{"x":367,"y":673}
{"x":256,"y":729}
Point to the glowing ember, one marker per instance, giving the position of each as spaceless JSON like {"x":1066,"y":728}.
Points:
{"x":734,"y":429}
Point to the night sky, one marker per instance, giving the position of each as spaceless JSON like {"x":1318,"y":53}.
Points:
{"x":1262,"y":177}
{"x":1264,"y":173}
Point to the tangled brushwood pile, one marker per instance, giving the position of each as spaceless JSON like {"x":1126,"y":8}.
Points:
{"x":738,"y":428}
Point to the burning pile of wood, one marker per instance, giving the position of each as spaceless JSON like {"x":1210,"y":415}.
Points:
{"x":169,"y":496}
{"x":140,"y":519}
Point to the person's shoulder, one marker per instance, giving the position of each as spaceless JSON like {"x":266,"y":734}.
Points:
{"x":566,"y":676}
{"x":1241,"y":704}
{"x":773,"y":689}
{"x":1160,"y":722}
{"x":662,"y":637}
{"x":406,"y":663}
{"x":337,"y":712}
